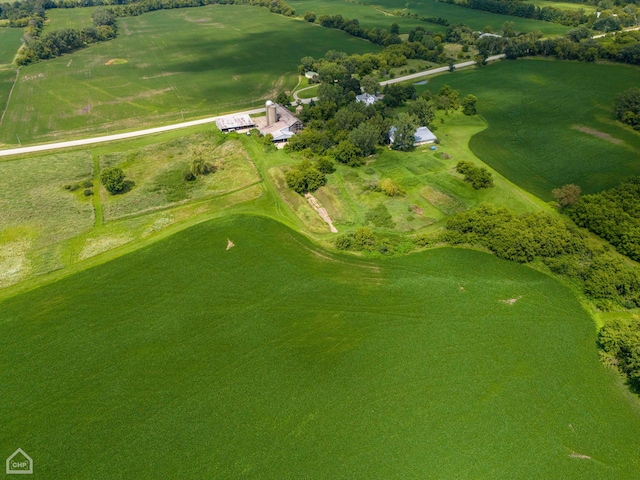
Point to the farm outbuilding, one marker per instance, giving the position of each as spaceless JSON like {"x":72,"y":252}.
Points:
{"x":280,"y":123}
{"x":231,"y":123}
{"x":367,"y":98}
{"x":422,"y":136}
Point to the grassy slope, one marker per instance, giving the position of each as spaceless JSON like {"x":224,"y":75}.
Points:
{"x":563,"y":5}
{"x":276,"y":360}
{"x":532,"y":106}
{"x":10,"y":40}
{"x":369,"y":16}
{"x":58,"y":18}
{"x":181,"y":63}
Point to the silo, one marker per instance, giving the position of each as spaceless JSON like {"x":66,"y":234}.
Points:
{"x":271,"y":113}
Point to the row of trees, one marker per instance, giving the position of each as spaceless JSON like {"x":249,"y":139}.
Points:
{"x":619,"y":342}
{"x":627,"y":107}
{"x":59,"y":42}
{"x":527,"y":10}
{"x":613,"y":215}
{"x":602,"y":275}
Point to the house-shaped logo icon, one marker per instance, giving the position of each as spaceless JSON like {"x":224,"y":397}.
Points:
{"x":19,"y":462}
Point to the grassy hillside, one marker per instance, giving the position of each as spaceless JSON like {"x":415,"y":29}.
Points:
{"x":166,"y":66}
{"x":274,"y":359}
{"x":69,"y":18}
{"x":377,"y":14}
{"x":551,"y":122}
{"x":9,"y":43}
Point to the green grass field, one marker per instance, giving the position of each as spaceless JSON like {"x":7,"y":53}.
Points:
{"x":58,"y":18}
{"x":551,"y":122}
{"x":563,"y":5}
{"x":180,"y":63}
{"x":10,"y":40}
{"x":275,"y":359}
{"x":376,"y":14}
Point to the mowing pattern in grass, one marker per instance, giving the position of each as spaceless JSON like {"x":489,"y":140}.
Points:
{"x":370,"y":15}
{"x":157,"y":173}
{"x":277,"y":360}
{"x":180,"y":64}
{"x":549,"y":121}
{"x":37,"y":212}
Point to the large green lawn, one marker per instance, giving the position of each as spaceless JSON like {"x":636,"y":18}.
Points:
{"x":374,"y":13}
{"x":551,"y":122}
{"x":58,"y":18}
{"x":10,"y":40}
{"x":275,"y":359}
{"x":181,"y":63}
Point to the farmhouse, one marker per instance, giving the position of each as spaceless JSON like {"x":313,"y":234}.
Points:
{"x":422,"y":136}
{"x":231,"y":123}
{"x":367,"y":98}
{"x":280,"y":123}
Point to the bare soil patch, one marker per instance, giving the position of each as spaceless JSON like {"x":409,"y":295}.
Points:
{"x":511,"y":301}
{"x":597,"y":133}
{"x":115,"y":61}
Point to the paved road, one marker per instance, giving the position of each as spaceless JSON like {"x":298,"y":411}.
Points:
{"x":412,"y":76}
{"x":117,"y":136}
{"x":150,"y":131}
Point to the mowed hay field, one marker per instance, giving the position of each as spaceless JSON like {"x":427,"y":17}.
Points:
{"x":551,"y":122}
{"x":9,"y":44}
{"x":274,"y":359}
{"x":377,"y":14}
{"x":58,"y":18}
{"x":165,"y":66}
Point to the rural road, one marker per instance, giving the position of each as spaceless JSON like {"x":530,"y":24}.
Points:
{"x":150,"y":131}
{"x":412,"y":76}
{"x":616,"y":31}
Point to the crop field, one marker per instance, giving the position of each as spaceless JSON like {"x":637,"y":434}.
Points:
{"x":551,"y":122}
{"x":275,"y":359}
{"x":10,"y":40}
{"x":69,"y":18}
{"x":165,"y":66}
{"x":378,"y":14}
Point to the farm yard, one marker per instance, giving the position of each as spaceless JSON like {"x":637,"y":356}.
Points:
{"x":221,"y":358}
{"x":175,"y":64}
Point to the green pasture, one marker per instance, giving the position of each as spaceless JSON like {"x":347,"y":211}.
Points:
{"x":58,"y":18}
{"x":377,"y":13}
{"x":10,"y":41}
{"x":563,"y":5}
{"x":276,"y":359}
{"x":551,"y":122}
{"x":181,"y":63}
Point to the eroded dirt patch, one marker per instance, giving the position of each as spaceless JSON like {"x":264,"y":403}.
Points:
{"x":597,"y":133}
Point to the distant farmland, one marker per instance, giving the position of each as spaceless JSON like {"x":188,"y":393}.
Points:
{"x":372,"y":13}
{"x":167,"y":65}
{"x":551,"y":122}
{"x":276,"y":359}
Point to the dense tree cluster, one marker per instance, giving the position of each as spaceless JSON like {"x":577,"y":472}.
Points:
{"x":366,"y":240}
{"x":577,"y":44}
{"x":305,"y":177}
{"x":613,"y":215}
{"x":113,"y":180}
{"x":619,"y":342}
{"x":478,"y":177}
{"x":627,"y":107}
{"x":602,"y":275}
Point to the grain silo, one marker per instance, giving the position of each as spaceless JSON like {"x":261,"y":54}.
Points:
{"x":272,"y":117}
